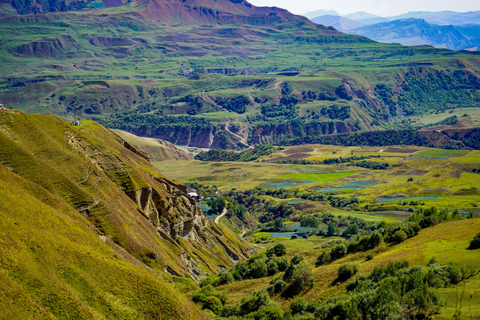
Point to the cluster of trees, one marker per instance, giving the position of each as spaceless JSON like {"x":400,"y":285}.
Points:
{"x":343,"y":92}
{"x":386,"y":293}
{"x":297,"y":275}
{"x":287,"y":107}
{"x":431,"y":217}
{"x":373,"y":138}
{"x":385,"y":93}
{"x":236,"y":104}
{"x":244,"y":156}
{"x":356,"y":244}
{"x":341,"y":160}
{"x":153,"y":124}
{"x":438,"y":90}
{"x":336,"y":112}
{"x":195,"y":103}
{"x":373,"y":165}
{"x":315,"y":95}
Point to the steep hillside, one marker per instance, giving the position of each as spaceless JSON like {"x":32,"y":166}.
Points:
{"x":55,"y":264}
{"x":145,"y":218}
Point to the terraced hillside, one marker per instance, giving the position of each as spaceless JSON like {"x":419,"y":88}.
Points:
{"x":91,"y":227}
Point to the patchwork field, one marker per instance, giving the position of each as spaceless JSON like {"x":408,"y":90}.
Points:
{"x":416,"y":177}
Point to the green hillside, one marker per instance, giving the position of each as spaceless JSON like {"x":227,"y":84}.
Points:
{"x":90,"y":227}
{"x":224,"y":83}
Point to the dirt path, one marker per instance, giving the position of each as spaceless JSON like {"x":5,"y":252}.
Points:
{"x":277,"y":85}
{"x":224,"y":212}
{"x":242,"y":139}
{"x":400,"y":161}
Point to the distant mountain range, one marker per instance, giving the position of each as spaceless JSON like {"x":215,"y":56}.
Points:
{"x":440,"y":18}
{"x":446,"y":29}
{"x":418,"y":31}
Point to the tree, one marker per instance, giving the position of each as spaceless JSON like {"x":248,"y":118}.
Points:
{"x":331,"y":231}
{"x":399,"y":236}
{"x":338,"y":252}
{"x":278,"y":250}
{"x":347,"y":270}
{"x":278,"y":224}
{"x":309,"y":221}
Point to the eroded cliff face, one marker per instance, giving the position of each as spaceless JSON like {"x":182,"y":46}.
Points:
{"x":143,"y":216}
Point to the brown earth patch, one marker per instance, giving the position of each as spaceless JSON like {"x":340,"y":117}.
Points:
{"x":418,"y":173}
{"x":292,"y":157}
{"x":456,"y":174}
{"x":400,"y":150}
{"x":297,"y":150}
{"x":436,"y":191}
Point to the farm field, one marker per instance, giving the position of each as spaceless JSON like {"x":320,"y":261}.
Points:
{"x":412,"y":180}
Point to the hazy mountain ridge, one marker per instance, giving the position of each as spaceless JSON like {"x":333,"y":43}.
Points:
{"x":418,"y":31}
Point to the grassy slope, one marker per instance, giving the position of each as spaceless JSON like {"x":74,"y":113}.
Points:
{"x":446,"y":242}
{"x":54,"y":264}
{"x":158,"y":150}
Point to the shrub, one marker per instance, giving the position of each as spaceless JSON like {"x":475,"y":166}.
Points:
{"x":475,"y":243}
{"x":214,"y":304}
{"x":277,"y":250}
{"x":347,"y":270}
{"x":224,"y":277}
{"x":369,"y":257}
{"x":258,"y":269}
{"x":399,"y":236}
{"x":300,"y":277}
{"x":272,"y":267}
{"x":323,"y":259}
{"x":338,"y":252}
{"x":279,"y":286}
{"x":299,"y":305}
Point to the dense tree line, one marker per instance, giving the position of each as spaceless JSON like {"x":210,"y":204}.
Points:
{"x":373,"y":138}
{"x":373,"y":165}
{"x":244,"y":156}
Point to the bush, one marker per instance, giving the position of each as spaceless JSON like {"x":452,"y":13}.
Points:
{"x":338,"y":252}
{"x":323,"y":259}
{"x":369,"y":257}
{"x":214,"y":304}
{"x":301,"y":276}
{"x":399,"y":236}
{"x":224,"y":277}
{"x":299,"y":305}
{"x":475,"y":243}
{"x":277,"y":250}
{"x":279,"y":286}
{"x":347,"y":270}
